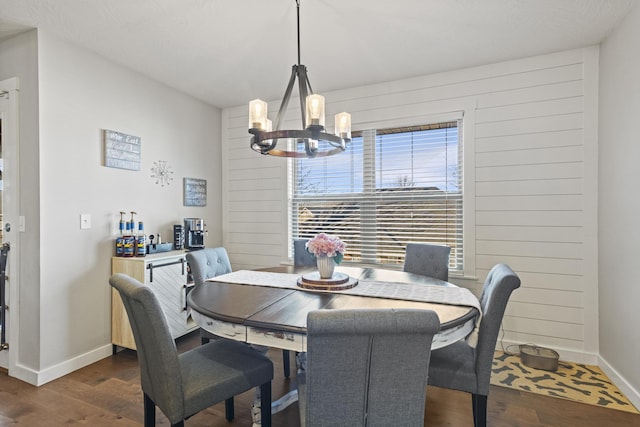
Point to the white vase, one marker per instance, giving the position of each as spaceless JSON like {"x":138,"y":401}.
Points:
{"x":325,"y":266}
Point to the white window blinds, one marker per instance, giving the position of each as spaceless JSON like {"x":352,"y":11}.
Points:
{"x":390,"y":187}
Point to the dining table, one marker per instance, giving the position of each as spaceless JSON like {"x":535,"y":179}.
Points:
{"x":268,"y":307}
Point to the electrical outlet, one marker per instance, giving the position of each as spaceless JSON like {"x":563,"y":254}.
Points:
{"x":85,"y":221}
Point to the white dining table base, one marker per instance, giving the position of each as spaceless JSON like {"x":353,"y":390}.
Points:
{"x":297,"y":341}
{"x":276,"y":406}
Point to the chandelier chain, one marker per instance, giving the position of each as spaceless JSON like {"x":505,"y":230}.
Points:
{"x":298,"y":20}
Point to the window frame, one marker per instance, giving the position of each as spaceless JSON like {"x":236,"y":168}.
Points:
{"x":466,"y":118}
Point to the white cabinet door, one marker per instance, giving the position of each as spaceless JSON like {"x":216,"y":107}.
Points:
{"x":168,"y":279}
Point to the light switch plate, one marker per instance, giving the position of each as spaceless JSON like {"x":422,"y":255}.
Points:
{"x":85,"y":221}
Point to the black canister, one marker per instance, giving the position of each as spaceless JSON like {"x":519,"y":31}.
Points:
{"x":178,"y":236}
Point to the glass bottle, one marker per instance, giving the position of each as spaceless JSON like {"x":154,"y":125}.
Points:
{"x":141,"y":241}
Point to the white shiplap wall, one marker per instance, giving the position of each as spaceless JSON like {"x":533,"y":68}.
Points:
{"x":531,"y":177}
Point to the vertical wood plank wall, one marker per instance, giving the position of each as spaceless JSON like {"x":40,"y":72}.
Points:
{"x":534,"y":192}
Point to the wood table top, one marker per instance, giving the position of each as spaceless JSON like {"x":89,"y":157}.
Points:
{"x":286,"y":310}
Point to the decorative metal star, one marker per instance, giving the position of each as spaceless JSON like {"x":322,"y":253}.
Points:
{"x":162,"y":172}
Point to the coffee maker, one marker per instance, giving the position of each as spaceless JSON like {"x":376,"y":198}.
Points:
{"x":194,"y":233}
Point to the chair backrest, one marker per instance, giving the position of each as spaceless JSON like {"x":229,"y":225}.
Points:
{"x":160,"y":375}
{"x":428,"y":260}
{"x":207,"y":263}
{"x":368,"y":367}
{"x":500,"y":283}
{"x":302,"y":257}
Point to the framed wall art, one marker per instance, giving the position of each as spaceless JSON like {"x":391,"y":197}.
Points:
{"x":121,"y":150}
{"x":195,"y":192}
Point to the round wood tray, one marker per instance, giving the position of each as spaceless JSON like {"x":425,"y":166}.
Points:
{"x":337,"y":282}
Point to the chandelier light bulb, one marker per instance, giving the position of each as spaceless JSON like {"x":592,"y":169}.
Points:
{"x":343,"y":125}
{"x":315,"y":110}
{"x":258,"y":114}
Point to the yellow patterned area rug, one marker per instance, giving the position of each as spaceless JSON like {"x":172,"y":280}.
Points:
{"x":573,"y":381}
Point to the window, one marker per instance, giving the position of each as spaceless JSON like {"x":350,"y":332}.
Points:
{"x":390,"y":187}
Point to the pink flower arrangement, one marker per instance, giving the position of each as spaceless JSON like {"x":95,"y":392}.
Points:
{"x":325,"y":244}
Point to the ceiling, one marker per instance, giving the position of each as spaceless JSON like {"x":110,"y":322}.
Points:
{"x":226,"y":52}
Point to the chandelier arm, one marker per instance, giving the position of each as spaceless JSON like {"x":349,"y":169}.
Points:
{"x":311,"y":152}
{"x":262,"y":149}
{"x":307,"y":81}
{"x":285,"y":99}
{"x":304,"y":92}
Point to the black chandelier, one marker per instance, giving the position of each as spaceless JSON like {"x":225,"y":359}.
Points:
{"x":312,"y":140}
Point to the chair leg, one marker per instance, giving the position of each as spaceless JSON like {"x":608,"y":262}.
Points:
{"x":228,"y":409}
{"x":286,"y":363}
{"x":479,"y":404}
{"x":149,"y":412}
{"x":265,"y":404}
{"x":204,"y":338}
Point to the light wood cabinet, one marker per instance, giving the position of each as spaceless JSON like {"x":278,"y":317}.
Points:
{"x":166,"y":274}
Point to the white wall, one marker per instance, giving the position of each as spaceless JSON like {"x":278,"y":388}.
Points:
{"x":19,"y":58}
{"x":619,"y":204}
{"x":531,"y":174}
{"x":80,"y":94}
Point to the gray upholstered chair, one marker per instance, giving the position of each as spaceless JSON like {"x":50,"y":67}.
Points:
{"x":211,"y":262}
{"x":462,"y":367}
{"x":302,"y":257}
{"x":366,"y":367}
{"x":428,"y":260}
{"x":205,"y":264}
{"x":183,"y":384}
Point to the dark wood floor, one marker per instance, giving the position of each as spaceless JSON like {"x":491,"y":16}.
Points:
{"x":107,"y":393}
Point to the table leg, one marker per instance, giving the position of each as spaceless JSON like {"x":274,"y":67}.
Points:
{"x":282,"y":403}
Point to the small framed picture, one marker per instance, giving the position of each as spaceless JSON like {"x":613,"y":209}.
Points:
{"x":121,"y":150}
{"x":195,"y":192}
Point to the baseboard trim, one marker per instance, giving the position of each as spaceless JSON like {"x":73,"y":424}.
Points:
{"x":627,"y":389}
{"x":44,"y":376}
{"x":23,"y":373}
